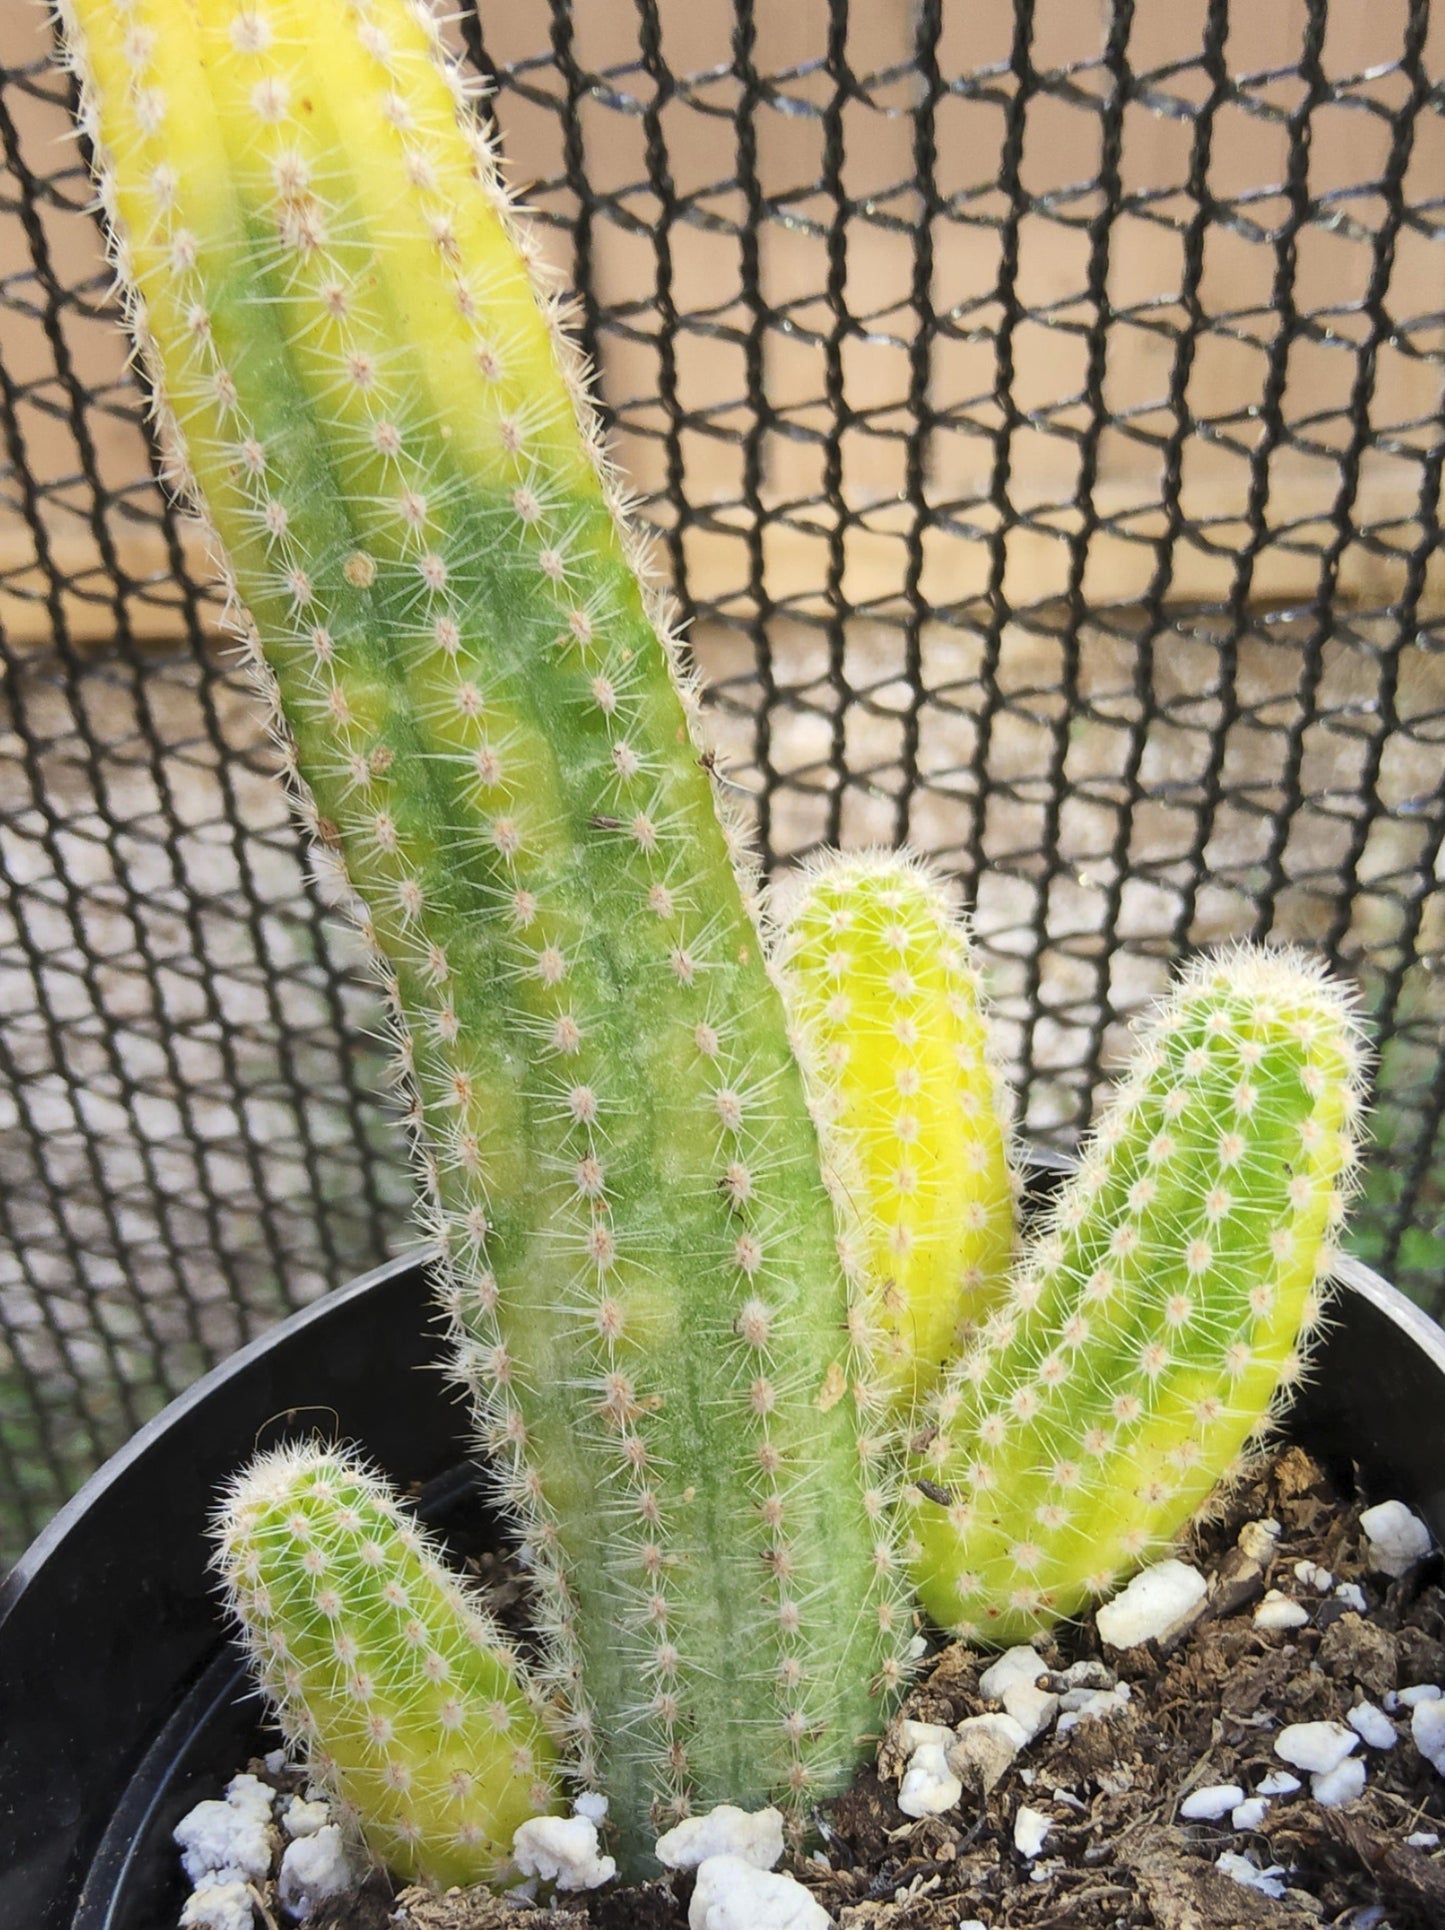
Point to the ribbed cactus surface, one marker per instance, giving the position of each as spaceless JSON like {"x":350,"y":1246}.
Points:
{"x":486,"y":728}
{"x":1152,"y":1321}
{"x":403,"y":1693}
{"x":882,"y":982}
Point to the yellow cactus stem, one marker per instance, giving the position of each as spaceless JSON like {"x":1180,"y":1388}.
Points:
{"x":888,"y":1003}
{"x":1153,"y":1325}
{"x":403,"y":1692}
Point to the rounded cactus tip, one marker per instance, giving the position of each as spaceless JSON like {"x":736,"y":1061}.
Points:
{"x":401,"y":1690}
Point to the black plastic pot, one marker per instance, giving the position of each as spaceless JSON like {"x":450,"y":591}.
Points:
{"x":121,"y":1703}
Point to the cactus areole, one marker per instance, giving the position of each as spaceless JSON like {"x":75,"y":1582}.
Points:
{"x":486,"y":728}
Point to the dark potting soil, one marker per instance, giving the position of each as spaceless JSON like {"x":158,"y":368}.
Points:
{"x":1205,"y":1709}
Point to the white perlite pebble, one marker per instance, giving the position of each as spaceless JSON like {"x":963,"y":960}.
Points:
{"x":1352,"y":1595}
{"x":1317,"y":1747}
{"x":1279,"y":1782}
{"x":314,"y":1868}
{"x":1207,"y":1805}
{"x":304,"y":1819}
{"x":1397,"y":1538}
{"x":562,"y":1850}
{"x":1313,"y":1576}
{"x":1278,"y":1611}
{"x":218,"y":1906}
{"x":1088,"y":1675}
{"x":1033,"y":1709}
{"x":1153,"y":1605}
{"x":1422,"y":1692}
{"x":1019,"y":1664}
{"x":735,"y":1895}
{"x":1424,"y":1839}
{"x":912,"y":1735}
{"x":929,"y":1786}
{"x":1268,"y":1882}
{"x":756,"y":1837}
{"x":1250,"y":1813}
{"x":250,"y":1795}
{"x":1427,"y":1726}
{"x":1373,"y":1726}
{"x":217,"y":1838}
{"x":984,"y":1747}
{"x":1031,"y":1826}
{"x":1340,"y":1785}
{"x":592,"y":1804}
{"x":1013,"y":1681}
{"x":1093,"y":1705}
{"x":1257,"y":1539}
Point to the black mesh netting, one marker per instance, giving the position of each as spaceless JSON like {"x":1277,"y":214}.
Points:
{"x":1039,"y":409}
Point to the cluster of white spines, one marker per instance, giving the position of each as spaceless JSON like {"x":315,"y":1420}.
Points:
{"x":1154,"y":1322}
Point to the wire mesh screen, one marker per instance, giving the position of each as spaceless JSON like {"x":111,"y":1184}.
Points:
{"x":1038,"y":406}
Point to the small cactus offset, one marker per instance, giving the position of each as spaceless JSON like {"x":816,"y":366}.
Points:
{"x":886,"y":995}
{"x":1152,"y":1323}
{"x":486,"y":728}
{"x":402,"y":1692}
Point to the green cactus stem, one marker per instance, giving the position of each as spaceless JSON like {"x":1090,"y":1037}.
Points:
{"x":487,"y":728}
{"x":1155,"y":1322}
{"x":883,"y":986}
{"x":402,"y":1692}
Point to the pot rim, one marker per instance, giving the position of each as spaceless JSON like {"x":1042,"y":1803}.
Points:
{"x":113,"y":1470}
{"x":1402,"y":1313}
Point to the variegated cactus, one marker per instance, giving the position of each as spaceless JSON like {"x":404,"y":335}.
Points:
{"x":1155,"y":1320}
{"x":488,"y":727}
{"x":403,"y":1694}
{"x":882,"y":983}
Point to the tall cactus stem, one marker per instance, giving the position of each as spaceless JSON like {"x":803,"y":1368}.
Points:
{"x":488,"y":728}
{"x":886,"y":995}
{"x":1154,"y":1325}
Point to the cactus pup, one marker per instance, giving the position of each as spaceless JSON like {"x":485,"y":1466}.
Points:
{"x":887,"y":998}
{"x":1153,"y":1322}
{"x":487,"y":728}
{"x":402,"y":1692}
